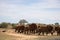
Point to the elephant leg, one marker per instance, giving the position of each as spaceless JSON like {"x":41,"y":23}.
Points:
{"x":33,"y":31}
{"x":57,"y":34}
{"x":39,"y":33}
{"x":21,"y":31}
{"x":24,"y":32}
{"x":27,"y":32}
{"x":30,"y":31}
{"x":15,"y":30}
{"x":43,"y":33}
{"x":46,"y":33}
{"x":51,"y":33}
{"x":18,"y":31}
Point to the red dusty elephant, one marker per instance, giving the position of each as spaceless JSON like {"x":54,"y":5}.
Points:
{"x":47,"y":29}
{"x":20,"y":28}
{"x":57,"y":29}
{"x":32,"y":28}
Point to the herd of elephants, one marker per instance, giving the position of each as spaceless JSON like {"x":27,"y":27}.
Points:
{"x":33,"y":28}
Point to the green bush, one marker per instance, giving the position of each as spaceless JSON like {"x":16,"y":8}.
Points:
{"x":3,"y":25}
{"x":13,"y":26}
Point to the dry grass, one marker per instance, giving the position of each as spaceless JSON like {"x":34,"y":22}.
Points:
{"x":7,"y":37}
{"x":11,"y":35}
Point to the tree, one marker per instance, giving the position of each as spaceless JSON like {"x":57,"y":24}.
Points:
{"x":56,"y":24}
{"x":3,"y":25}
{"x":23,"y":21}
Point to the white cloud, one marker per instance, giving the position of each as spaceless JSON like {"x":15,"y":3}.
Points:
{"x":48,"y":4}
{"x":35,"y":10}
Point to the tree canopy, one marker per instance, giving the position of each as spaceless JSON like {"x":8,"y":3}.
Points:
{"x":56,"y":24}
{"x":3,"y":25}
{"x":23,"y":21}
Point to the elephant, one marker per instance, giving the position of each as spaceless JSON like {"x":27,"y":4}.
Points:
{"x":57,"y":29}
{"x":47,"y":29}
{"x":20,"y":28}
{"x":32,"y":28}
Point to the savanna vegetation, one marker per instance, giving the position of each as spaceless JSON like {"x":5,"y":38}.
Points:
{"x":7,"y":31}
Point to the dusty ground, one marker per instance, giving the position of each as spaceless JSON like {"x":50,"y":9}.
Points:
{"x":11,"y":35}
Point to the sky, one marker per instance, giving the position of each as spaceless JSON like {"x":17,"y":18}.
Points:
{"x":34,"y":11}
